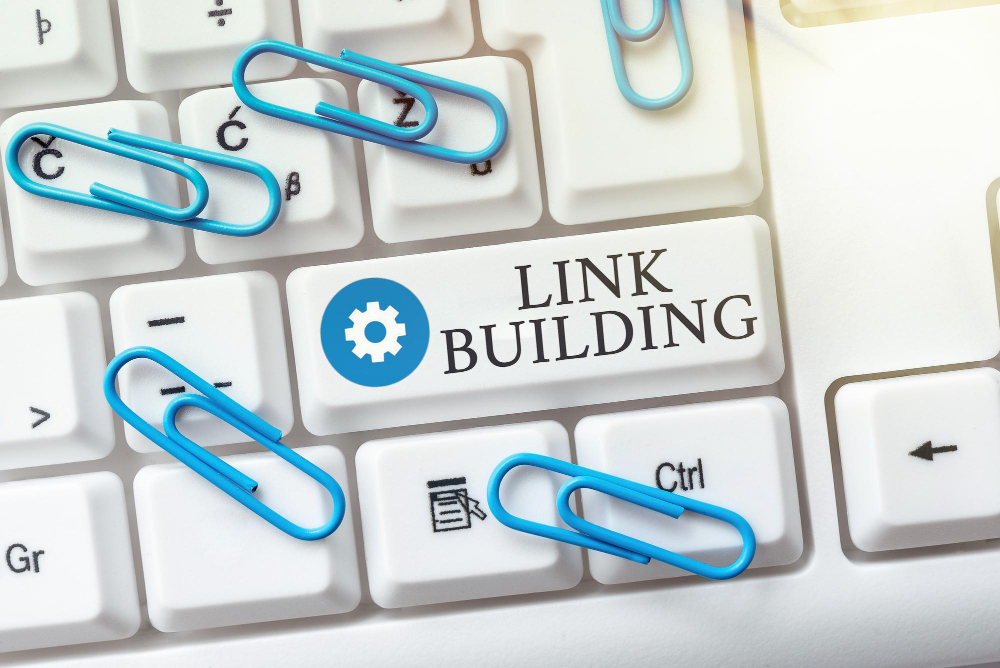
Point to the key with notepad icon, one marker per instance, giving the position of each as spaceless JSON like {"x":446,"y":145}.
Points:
{"x":451,"y":507}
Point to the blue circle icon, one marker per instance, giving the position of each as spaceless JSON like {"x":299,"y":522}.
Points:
{"x":375,"y":332}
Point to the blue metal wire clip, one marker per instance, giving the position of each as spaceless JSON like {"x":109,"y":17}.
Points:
{"x":615,"y":27}
{"x":146,"y":150}
{"x":230,"y":480}
{"x":592,"y":537}
{"x":343,"y":121}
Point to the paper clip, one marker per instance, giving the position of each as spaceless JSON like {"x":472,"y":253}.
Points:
{"x":615,"y":27}
{"x":227,"y":478}
{"x":146,"y":150}
{"x":343,"y":121}
{"x":593,"y":537}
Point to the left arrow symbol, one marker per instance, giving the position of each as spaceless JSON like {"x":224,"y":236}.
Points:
{"x":38,"y":411}
{"x":927,"y":451}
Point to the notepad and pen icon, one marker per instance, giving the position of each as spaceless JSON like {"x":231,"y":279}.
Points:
{"x":452,"y":508}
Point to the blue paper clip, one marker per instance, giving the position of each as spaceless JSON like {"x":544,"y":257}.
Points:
{"x":230,"y":480}
{"x":593,"y":537}
{"x":615,"y":27}
{"x":345,"y":122}
{"x":146,"y":150}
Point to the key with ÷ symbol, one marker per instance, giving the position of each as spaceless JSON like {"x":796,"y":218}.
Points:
{"x":220,"y":13}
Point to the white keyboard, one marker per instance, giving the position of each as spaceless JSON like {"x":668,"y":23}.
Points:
{"x":777,"y":296}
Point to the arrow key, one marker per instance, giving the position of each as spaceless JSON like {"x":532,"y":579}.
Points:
{"x":921,"y":459}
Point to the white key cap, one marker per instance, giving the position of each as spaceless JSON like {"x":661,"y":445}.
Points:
{"x":735,"y":454}
{"x":606,"y":159}
{"x":919,"y":456}
{"x":55,"y":51}
{"x":66,"y":572}
{"x":193,"y":43}
{"x":811,"y":6}
{"x":226,"y":328}
{"x":321,"y":206}
{"x":52,"y":409}
{"x":511,"y":328}
{"x":55,"y":242}
{"x":460,"y":552}
{"x":400,"y":32}
{"x":209,"y":561}
{"x":416,"y":197}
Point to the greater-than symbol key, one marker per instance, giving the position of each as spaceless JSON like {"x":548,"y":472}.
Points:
{"x":45,"y":415}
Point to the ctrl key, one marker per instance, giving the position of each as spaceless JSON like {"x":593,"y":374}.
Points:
{"x":920,"y":458}
{"x":66,"y":572}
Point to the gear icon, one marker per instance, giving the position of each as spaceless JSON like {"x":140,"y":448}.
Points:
{"x":389,"y":344}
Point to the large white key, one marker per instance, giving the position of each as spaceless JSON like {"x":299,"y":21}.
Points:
{"x":734,"y":454}
{"x":193,"y":43}
{"x":66,"y":572}
{"x":55,"y":51}
{"x":535,"y":325}
{"x":56,"y":242}
{"x":458,"y":551}
{"x":321,"y":207}
{"x":400,"y":32}
{"x":919,"y":456}
{"x":209,"y":561}
{"x":226,"y":328}
{"x":416,"y":197}
{"x":52,"y":361}
{"x":606,"y":159}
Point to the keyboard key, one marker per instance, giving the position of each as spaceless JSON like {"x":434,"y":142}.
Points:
{"x":400,"y":32}
{"x":55,"y":51}
{"x":56,"y":242}
{"x":210,"y":562}
{"x":66,"y":572}
{"x":415,"y":197}
{"x":735,"y":454}
{"x":321,"y":207}
{"x":192,"y":43}
{"x":227,"y":329}
{"x":460,"y":552}
{"x":52,"y":410}
{"x":811,"y":6}
{"x":606,"y":159}
{"x":919,"y":456}
{"x":535,"y":325}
